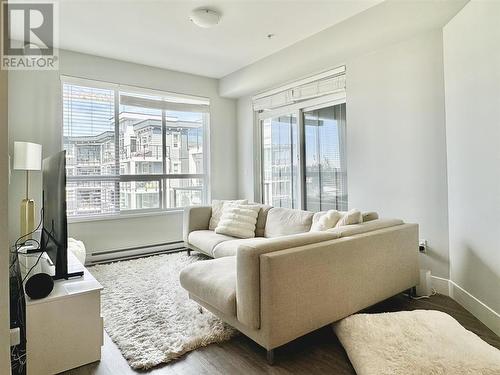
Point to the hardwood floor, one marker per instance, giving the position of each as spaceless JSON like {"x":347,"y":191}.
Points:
{"x":316,"y":353}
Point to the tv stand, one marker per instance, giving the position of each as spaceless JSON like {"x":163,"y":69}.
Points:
{"x":65,"y":329}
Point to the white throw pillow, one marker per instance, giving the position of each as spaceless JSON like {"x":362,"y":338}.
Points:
{"x":325,"y":220}
{"x":217,"y":207}
{"x":238,"y":220}
{"x":350,"y":217}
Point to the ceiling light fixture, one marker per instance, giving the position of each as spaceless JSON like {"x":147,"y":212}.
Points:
{"x":205,"y":17}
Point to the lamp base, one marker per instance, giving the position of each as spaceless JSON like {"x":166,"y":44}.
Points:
{"x":27,"y":218}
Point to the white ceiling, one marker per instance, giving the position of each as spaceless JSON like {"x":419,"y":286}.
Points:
{"x":159,"y":33}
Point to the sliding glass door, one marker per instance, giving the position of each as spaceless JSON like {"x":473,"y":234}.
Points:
{"x":303,"y":158}
{"x":280,"y":164}
{"x":325,"y":170}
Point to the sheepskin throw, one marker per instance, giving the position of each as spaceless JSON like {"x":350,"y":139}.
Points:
{"x":414,"y":342}
{"x":238,"y":220}
{"x":149,"y":315}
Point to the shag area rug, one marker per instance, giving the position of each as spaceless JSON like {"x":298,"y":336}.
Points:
{"x":414,"y":342}
{"x":149,"y":315}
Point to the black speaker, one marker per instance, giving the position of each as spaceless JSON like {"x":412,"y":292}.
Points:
{"x":39,"y":286}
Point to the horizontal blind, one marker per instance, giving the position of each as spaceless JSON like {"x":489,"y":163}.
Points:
{"x":323,"y":84}
{"x":134,"y":149}
{"x":89,"y":141}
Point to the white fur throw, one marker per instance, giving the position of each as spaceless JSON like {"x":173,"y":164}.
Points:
{"x":350,"y":217}
{"x":78,"y":249}
{"x":325,"y":220}
{"x":238,"y":220}
{"x":217,"y":207}
{"x":414,"y":343}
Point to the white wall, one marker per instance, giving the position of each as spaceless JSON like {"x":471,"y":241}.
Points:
{"x":35,"y":115}
{"x":396,"y":146}
{"x":472,"y":72}
{"x":4,"y":239}
{"x":396,"y":150}
{"x":245,"y":149}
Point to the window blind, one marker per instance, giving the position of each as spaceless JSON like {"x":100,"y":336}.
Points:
{"x":323,"y":84}
{"x":132,"y":150}
{"x":89,"y":141}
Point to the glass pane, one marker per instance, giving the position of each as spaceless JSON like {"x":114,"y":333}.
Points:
{"x":139,"y":195}
{"x":184,"y":142}
{"x":140,"y":139}
{"x":89,"y":131}
{"x":325,"y":169}
{"x":182,"y":192}
{"x":279,"y":150}
{"x":87,"y":198}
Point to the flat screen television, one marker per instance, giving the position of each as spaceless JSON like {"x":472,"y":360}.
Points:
{"x":54,"y":238}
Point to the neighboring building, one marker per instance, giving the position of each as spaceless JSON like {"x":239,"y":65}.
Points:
{"x":140,"y":153}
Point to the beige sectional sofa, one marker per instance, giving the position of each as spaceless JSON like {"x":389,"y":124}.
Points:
{"x":288,"y":281}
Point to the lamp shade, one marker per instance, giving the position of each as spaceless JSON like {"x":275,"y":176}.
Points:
{"x":27,"y":156}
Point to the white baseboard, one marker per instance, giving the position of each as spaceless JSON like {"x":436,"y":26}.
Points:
{"x":441,"y":285}
{"x":480,"y":310}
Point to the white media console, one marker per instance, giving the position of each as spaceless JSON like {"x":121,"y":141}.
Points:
{"x":65,"y":329}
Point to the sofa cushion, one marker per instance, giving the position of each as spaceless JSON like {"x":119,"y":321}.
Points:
{"x":369,"y":216}
{"x":261,"y":219}
{"x":228,"y":248}
{"x":350,"y":217}
{"x":214,"y":282}
{"x":238,"y":220}
{"x":284,"y":221}
{"x":217,"y":207}
{"x":325,"y":220}
{"x":351,"y":230}
{"x":206,"y":240}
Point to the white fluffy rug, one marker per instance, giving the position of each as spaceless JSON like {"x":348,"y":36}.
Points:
{"x":414,"y":342}
{"x":149,"y":315}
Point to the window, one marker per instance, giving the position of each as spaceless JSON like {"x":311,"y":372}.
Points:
{"x":303,"y":137}
{"x":279,"y":148}
{"x":131,"y":150}
{"x":175,"y":140}
{"x":324,"y":159}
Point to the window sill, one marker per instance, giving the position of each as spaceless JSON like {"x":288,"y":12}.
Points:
{"x":125,"y":216}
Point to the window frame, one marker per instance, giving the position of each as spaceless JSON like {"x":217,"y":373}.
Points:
{"x":296,"y":109}
{"x":161,"y":178}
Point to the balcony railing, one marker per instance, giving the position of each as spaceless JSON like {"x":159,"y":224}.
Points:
{"x":141,"y":152}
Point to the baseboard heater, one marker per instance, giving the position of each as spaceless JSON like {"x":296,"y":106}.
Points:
{"x":107,"y":256}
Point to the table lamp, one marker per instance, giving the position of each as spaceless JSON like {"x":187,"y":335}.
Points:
{"x":27,"y":157}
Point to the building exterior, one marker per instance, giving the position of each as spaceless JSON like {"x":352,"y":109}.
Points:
{"x":95,"y":163}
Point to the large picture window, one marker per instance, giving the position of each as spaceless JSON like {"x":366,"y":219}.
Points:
{"x":130,"y":150}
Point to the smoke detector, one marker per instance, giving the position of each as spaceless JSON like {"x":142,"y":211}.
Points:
{"x":205,"y":17}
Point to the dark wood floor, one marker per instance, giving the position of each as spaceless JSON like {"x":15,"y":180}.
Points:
{"x":316,"y":353}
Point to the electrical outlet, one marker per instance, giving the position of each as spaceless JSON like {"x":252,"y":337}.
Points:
{"x":15,"y":336}
{"x":422,"y":246}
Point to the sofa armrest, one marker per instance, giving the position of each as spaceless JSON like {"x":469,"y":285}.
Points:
{"x":248,"y":270}
{"x":195,"y":218}
{"x":305,"y":288}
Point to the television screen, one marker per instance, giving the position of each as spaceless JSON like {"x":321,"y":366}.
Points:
{"x":54,"y":240}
